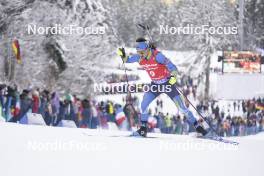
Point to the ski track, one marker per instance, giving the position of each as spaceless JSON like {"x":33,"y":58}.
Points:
{"x":24,"y":151}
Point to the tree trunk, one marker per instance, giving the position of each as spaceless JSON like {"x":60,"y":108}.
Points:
{"x":207,"y":78}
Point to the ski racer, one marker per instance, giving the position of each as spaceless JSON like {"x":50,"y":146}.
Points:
{"x":162,"y":72}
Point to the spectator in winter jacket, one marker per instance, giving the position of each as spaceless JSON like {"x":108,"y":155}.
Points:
{"x":86,"y":114}
{"x":94,"y":115}
{"x":35,"y":98}
{"x":44,"y":106}
{"x":2,"y":94}
{"x":110,"y":111}
{"x":179,"y":125}
{"x":168,"y":123}
{"x":185,"y":128}
{"x":25,"y":106}
{"x":11,"y":95}
{"x":69,"y":111}
{"x":55,"y":107}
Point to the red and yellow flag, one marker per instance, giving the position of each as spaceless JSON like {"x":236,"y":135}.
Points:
{"x":16,"y":49}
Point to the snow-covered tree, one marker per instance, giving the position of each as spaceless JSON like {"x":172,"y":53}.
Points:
{"x":76,"y":61}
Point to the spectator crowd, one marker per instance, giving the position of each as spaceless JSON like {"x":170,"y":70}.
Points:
{"x":89,"y":113}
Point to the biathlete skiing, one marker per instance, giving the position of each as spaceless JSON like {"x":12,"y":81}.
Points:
{"x":162,"y":73}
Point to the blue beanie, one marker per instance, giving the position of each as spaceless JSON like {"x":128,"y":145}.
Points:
{"x":142,"y":46}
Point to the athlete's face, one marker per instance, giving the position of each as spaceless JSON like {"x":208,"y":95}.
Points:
{"x":143,"y":53}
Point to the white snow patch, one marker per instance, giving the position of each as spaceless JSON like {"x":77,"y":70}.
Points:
{"x":37,"y":150}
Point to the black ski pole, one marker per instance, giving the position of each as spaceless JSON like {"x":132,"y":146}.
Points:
{"x":123,"y":63}
{"x":129,"y":97}
{"x":214,"y":130}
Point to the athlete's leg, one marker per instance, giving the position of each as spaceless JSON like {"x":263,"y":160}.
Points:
{"x":190,"y":118}
{"x":178,"y":100}
{"x":147,"y":99}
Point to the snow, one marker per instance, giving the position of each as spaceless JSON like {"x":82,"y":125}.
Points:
{"x":246,"y":86}
{"x":2,"y":119}
{"x":37,"y":150}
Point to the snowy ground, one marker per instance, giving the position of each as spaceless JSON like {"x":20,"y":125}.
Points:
{"x":36,"y":150}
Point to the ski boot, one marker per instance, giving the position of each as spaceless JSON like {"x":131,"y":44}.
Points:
{"x":200,"y":129}
{"x":141,"y":132}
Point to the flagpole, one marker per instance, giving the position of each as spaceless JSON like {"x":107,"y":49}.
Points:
{"x":12,"y":59}
{"x":8,"y":58}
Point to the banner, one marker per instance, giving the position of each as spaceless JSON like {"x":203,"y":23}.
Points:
{"x":241,"y":62}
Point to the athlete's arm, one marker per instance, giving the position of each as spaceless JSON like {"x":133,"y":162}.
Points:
{"x":160,"y":58}
{"x":127,"y":59}
{"x":133,"y":58}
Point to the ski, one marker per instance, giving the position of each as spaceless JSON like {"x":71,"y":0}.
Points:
{"x":213,"y":138}
{"x":131,"y":136}
{"x":219,"y":139}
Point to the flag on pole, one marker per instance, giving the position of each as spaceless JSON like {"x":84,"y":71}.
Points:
{"x":16,"y":49}
{"x":120,"y":116}
{"x":152,"y":122}
{"x":17,"y":107}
